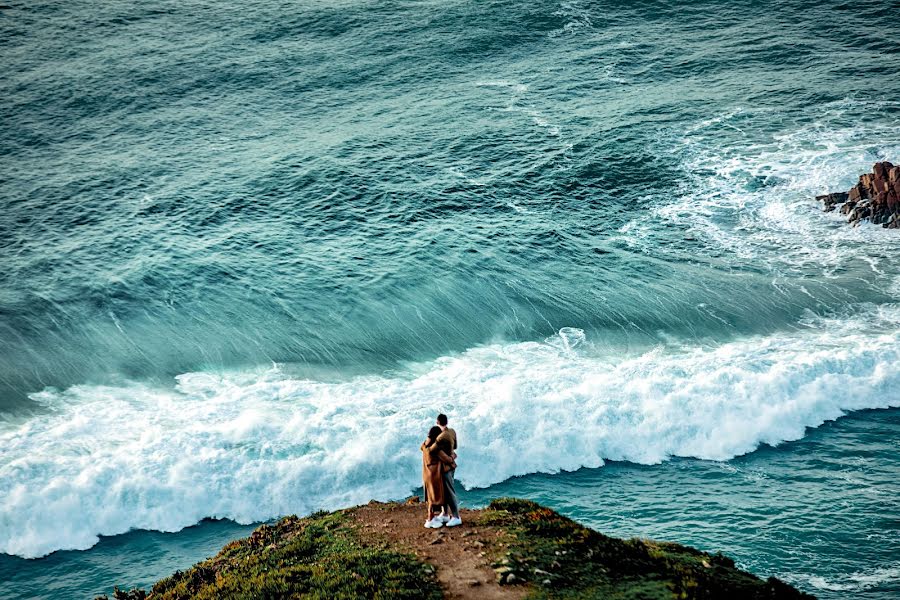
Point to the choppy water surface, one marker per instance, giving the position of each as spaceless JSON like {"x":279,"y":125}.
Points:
{"x":234,"y":240}
{"x":820,"y":513}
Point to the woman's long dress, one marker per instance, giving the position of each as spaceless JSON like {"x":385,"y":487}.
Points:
{"x":432,"y":477}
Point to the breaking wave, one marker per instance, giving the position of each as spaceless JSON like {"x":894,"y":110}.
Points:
{"x":253,"y":445}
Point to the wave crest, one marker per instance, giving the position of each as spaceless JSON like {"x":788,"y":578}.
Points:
{"x":253,"y":445}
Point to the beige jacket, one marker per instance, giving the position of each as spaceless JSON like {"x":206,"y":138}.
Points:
{"x":446,"y":445}
{"x":434,"y":462}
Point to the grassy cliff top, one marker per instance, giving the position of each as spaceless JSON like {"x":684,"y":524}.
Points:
{"x":511,"y":549}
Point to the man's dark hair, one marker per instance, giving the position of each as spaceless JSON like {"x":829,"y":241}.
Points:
{"x":442,"y":419}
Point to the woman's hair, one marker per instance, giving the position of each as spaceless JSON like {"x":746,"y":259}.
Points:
{"x":434,"y":432}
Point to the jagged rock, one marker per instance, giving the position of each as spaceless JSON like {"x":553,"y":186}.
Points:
{"x":832,"y":200}
{"x":876,"y":197}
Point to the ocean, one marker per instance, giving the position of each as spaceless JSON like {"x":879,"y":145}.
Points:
{"x":249,"y":251}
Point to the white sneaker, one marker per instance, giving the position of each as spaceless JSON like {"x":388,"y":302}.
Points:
{"x":454,"y":522}
{"x":433,"y":524}
{"x":442,"y":518}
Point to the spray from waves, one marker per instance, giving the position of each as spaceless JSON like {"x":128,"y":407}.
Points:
{"x":254,"y":445}
{"x":752,"y":196}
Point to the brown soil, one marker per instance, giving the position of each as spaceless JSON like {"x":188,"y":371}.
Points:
{"x":461,"y":555}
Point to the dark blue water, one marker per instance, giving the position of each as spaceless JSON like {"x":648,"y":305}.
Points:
{"x":236,"y":239}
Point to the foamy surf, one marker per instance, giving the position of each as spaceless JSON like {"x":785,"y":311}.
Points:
{"x":858,"y":582}
{"x":755,"y":199}
{"x":249,"y":446}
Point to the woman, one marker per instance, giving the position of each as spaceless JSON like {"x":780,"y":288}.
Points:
{"x":433,"y":460}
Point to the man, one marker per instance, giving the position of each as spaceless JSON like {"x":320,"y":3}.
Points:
{"x":446,"y":441}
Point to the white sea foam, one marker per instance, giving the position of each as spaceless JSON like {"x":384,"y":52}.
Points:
{"x":755,"y":197}
{"x":857,"y":582}
{"x":254,"y":445}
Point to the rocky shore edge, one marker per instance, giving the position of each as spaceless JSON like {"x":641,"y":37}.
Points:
{"x":876,"y":198}
{"x":511,"y":549}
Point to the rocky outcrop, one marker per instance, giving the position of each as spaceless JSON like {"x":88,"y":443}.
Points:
{"x":876,"y":198}
{"x":508,"y":551}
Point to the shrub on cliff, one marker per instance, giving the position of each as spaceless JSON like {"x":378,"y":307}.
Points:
{"x":564,"y":559}
{"x":319,"y":557}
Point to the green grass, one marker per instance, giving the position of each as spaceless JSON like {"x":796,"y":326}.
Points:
{"x":564,"y":560}
{"x":318,"y":557}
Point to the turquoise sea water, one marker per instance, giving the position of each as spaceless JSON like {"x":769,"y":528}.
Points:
{"x":820,"y":513}
{"x":235,"y":240}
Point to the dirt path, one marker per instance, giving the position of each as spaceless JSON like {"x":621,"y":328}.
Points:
{"x":459,"y":554}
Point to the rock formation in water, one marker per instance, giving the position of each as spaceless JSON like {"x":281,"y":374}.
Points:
{"x":875,"y":198}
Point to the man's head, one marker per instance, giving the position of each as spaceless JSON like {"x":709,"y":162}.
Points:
{"x":442,"y":421}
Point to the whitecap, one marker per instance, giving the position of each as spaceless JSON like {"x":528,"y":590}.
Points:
{"x":257,"y":444}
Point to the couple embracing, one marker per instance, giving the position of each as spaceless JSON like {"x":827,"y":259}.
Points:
{"x":438,"y":468}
